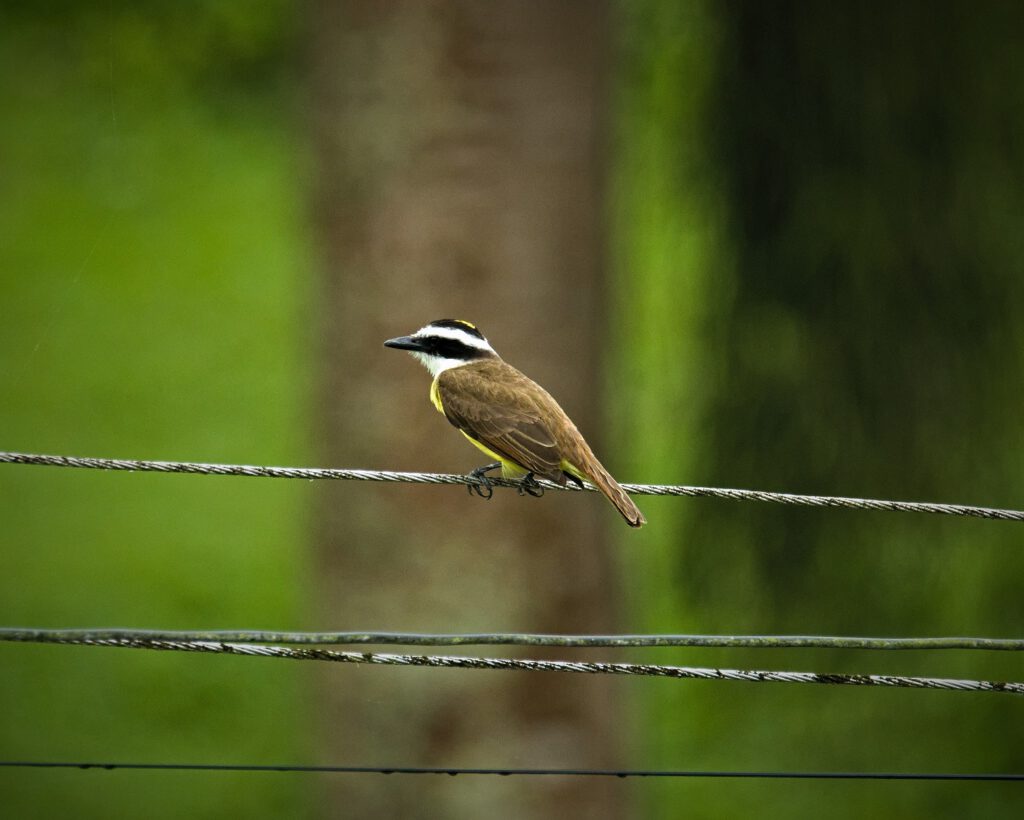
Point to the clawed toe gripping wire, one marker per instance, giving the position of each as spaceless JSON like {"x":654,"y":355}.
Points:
{"x":529,"y":485}
{"x":483,"y":485}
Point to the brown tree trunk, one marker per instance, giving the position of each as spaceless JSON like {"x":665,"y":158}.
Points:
{"x":457,"y":167}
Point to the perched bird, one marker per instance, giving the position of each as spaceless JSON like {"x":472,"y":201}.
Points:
{"x":511,"y":418}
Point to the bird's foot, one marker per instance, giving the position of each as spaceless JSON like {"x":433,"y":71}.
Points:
{"x":483,"y":486}
{"x":528,"y":485}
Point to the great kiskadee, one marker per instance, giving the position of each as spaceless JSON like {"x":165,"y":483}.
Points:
{"x":511,"y":418}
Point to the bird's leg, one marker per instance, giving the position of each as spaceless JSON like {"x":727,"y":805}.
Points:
{"x":528,"y":485}
{"x":575,"y":479}
{"x":483,"y":486}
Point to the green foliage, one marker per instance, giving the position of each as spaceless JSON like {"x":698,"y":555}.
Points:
{"x":152,"y":278}
{"x":850,"y":179}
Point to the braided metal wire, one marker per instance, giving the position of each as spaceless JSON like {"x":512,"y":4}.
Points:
{"x":515,"y":639}
{"x":315,"y":474}
{"x":579,"y":667}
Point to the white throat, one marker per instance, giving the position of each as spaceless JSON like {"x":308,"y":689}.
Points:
{"x":435,"y":364}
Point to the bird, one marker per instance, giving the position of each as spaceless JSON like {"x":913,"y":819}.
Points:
{"x":511,"y":418}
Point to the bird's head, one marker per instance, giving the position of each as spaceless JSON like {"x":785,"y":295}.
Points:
{"x":445,"y":344}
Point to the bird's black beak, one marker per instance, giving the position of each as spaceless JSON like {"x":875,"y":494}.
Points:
{"x":405,"y":343}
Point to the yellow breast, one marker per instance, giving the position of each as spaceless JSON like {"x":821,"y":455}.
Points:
{"x":435,"y":396}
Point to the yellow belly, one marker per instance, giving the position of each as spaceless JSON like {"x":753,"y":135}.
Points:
{"x":572,"y":469}
{"x":509,"y":469}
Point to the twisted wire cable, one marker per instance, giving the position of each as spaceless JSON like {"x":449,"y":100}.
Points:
{"x":514,"y":639}
{"x":578,"y":667}
{"x":319,"y":474}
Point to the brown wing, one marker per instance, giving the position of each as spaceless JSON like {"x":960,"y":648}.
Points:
{"x":498,"y":406}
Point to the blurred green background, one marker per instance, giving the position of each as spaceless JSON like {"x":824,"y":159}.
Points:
{"x":153,"y":280}
{"x":816,"y":249}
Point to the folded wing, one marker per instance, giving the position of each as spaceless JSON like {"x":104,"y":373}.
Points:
{"x":501,"y":415}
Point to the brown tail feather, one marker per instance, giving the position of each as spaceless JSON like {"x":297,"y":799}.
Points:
{"x":614,"y":493}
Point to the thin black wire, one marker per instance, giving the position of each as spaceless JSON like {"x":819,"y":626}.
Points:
{"x":14,"y":634}
{"x":453,"y":771}
{"x":312,"y":474}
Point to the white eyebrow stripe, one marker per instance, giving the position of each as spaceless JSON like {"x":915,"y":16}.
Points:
{"x":455,"y":334}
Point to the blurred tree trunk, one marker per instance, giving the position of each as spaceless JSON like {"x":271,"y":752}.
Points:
{"x":457,"y":167}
